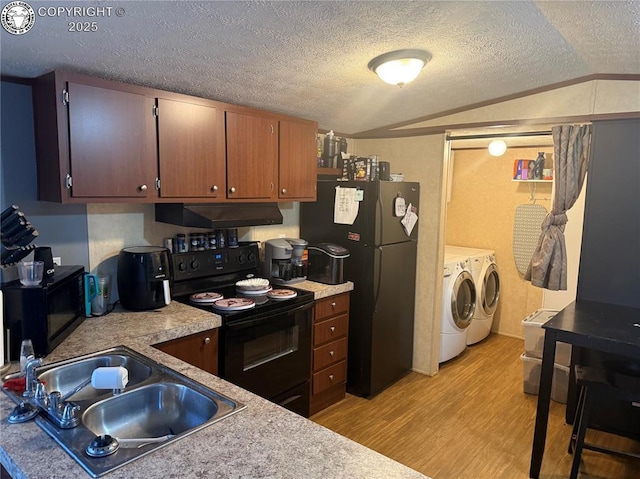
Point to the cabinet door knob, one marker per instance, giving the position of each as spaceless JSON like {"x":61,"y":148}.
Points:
{"x":232,"y":189}
{"x":207,"y":340}
{"x":142,"y":187}
{"x":332,"y":329}
{"x":284,"y":191}
{"x":331,"y":353}
{"x":330,"y":377}
{"x":214,"y":188}
{"x":333,"y":305}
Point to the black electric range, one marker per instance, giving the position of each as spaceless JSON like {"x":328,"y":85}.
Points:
{"x":265,"y":349}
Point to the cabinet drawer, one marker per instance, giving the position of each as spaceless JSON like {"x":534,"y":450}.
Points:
{"x":327,"y":307}
{"x":329,"y":354}
{"x":330,"y":329}
{"x":331,"y":376}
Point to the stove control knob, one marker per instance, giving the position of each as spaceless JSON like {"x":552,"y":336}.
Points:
{"x":195,"y":264}
{"x":252,"y":257}
{"x":182,"y":266}
{"x":242,"y":258}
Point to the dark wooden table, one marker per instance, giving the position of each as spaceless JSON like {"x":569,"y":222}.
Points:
{"x":600,"y":326}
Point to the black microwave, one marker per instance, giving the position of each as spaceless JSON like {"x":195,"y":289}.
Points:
{"x":46,"y":313}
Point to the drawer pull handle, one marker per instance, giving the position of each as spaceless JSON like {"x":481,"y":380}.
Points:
{"x":333,"y":305}
{"x":207,"y":340}
{"x":331,"y":353}
{"x":330,"y":377}
{"x":332,"y":329}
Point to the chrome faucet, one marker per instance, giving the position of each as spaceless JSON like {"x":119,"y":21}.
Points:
{"x":31,"y":380}
{"x":64,"y":414}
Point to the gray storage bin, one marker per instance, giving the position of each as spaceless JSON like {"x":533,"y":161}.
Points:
{"x":534,"y":337}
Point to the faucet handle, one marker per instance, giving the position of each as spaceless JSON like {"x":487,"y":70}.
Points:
{"x":69,"y":413}
{"x":41,"y":391}
{"x":55,"y":401}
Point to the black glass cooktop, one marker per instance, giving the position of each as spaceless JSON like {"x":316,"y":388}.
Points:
{"x":264,"y":304}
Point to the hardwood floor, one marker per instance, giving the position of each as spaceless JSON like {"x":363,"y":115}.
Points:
{"x":472,"y":420}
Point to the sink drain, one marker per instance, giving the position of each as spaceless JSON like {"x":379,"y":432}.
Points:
{"x":102,"y":446}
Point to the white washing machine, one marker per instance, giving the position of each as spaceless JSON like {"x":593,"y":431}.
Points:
{"x":458,"y":305}
{"x":487,"y":282}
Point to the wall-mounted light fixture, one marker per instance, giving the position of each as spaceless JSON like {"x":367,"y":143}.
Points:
{"x":497,"y":148}
{"x":399,"y":67}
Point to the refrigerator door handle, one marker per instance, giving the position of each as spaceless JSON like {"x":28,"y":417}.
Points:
{"x":379,"y":226}
{"x":378,"y":279}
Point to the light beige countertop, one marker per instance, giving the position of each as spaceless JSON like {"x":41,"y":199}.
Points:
{"x":262,"y":441}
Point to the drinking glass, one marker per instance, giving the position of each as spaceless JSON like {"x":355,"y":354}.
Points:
{"x":30,"y":272}
{"x":26,"y":350}
{"x":100,"y":302}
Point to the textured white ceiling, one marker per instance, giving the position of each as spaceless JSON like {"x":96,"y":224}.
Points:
{"x":309,"y":58}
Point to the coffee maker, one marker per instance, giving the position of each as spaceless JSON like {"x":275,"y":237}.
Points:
{"x":285,"y":260}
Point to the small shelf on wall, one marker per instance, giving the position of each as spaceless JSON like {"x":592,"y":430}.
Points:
{"x":533,"y":181}
{"x":329,"y":171}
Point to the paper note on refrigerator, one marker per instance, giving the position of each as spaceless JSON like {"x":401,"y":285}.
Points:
{"x":345,"y":209}
{"x":409,"y":220}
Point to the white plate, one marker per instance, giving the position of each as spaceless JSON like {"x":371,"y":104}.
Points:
{"x":256,"y":292}
{"x":253,"y":284}
{"x":234,"y":304}
{"x":282,"y":294}
{"x":206,"y":298}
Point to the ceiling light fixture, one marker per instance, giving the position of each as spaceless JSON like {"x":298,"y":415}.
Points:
{"x":399,"y":67}
{"x":497,"y":148}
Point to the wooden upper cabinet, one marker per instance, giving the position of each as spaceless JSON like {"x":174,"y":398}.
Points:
{"x":297,"y":163}
{"x":100,"y":141}
{"x":112,"y":143}
{"x":95,"y":140}
{"x":191,"y":150}
{"x":252,"y":155}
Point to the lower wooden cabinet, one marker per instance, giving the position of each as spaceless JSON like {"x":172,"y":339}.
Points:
{"x":329,"y":360}
{"x":200,"y":350}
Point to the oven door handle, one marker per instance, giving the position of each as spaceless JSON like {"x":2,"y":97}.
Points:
{"x":248,"y":323}
{"x":290,"y":400}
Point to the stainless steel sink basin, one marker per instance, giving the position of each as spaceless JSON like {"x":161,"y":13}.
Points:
{"x":158,"y":407}
{"x":152,"y":411}
{"x":71,"y":378}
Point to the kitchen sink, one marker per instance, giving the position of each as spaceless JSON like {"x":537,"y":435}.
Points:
{"x":152,"y":411}
{"x":72,"y":378}
{"x":157,"y":407}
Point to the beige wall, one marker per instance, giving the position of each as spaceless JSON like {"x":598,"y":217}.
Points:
{"x":112,"y":227}
{"x":480,"y":214}
{"x":420,"y":159}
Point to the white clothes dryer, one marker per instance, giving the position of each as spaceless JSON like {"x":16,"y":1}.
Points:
{"x":458,"y":305}
{"x":486,"y":278}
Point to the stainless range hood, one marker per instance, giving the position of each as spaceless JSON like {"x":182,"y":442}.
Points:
{"x":213,"y":216}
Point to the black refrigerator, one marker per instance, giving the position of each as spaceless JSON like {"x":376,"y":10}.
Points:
{"x":382,"y":266}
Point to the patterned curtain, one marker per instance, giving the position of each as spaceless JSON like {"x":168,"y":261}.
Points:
{"x":548,"y":266}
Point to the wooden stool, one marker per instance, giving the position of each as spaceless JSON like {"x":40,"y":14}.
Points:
{"x":592,"y":384}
